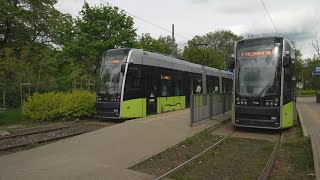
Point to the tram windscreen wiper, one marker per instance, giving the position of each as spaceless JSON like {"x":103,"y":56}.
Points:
{"x":267,"y":87}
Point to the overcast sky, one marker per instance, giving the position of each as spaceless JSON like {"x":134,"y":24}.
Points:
{"x":299,"y":20}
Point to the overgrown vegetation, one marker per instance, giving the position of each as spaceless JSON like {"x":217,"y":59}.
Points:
{"x":175,"y":155}
{"x":237,"y":158}
{"x":295,"y":160}
{"x":59,"y":106}
{"x":303,"y":93}
{"x":10,"y":117}
{"x":225,"y":162}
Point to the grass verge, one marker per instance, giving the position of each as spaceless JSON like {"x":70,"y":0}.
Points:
{"x":12,"y":116}
{"x":177,"y":154}
{"x":235,"y":159}
{"x":294,"y":160}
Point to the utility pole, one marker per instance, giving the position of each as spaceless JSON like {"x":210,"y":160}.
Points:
{"x":172,"y":45}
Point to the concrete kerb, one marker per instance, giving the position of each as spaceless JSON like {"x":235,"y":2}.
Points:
{"x":302,"y":122}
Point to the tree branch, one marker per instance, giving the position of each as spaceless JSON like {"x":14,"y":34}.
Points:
{"x":316,"y":46}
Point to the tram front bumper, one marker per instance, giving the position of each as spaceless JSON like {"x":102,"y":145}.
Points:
{"x":265,"y":117}
{"x":108,"y":110}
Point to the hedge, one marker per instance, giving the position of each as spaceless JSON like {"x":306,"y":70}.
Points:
{"x":59,"y":106}
{"x":306,"y":92}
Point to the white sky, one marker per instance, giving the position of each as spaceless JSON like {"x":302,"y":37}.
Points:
{"x":299,"y":20}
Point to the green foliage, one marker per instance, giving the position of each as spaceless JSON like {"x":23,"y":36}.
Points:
{"x":98,"y":29}
{"x":10,"y":117}
{"x":30,"y":64}
{"x":211,"y":49}
{"x":56,"y":106}
{"x":26,"y":22}
{"x":161,"y":45}
{"x":307,"y":92}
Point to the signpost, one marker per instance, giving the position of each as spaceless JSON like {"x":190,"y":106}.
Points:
{"x":230,"y":73}
{"x":317,"y":72}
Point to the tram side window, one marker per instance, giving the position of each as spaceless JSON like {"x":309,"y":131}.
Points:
{"x":210,"y":86}
{"x":165,"y":86}
{"x":197,"y":86}
{"x":178,"y":90}
{"x":227,"y":84}
{"x":134,"y":79}
{"x":287,"y":86}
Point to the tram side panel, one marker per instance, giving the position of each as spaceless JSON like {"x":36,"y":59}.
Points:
{"x":171,"y":90}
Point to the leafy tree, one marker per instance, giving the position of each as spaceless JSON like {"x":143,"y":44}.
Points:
{"x":298,"y":63}
{"x":309,"y":80}
{"x":98,"y":29}
{"x":161,"y":45}
{"x":211,"y":49}
{"x":26,"y":21}
{"x":28,"y":31}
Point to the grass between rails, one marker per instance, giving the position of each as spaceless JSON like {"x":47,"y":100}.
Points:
{"x":295,"y":159}
{"x":235,"y":159}
{"x":174,"y":156}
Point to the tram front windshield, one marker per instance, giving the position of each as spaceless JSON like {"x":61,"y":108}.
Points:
{"x":110,"y":81}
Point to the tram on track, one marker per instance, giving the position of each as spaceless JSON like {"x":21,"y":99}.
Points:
{"x":134,"y":83}
{"x":264,"y":83}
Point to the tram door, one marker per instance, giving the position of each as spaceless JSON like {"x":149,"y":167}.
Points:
{"x":150,"y":84}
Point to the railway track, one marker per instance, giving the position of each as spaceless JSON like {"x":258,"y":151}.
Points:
{"x":215,"y":145}
{"x":46,"y":134}
{"x":267,"y":169}
{"x":264,"y":174}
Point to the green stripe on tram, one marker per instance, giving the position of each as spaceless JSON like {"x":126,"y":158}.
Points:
{"x":134,"y":108}
{"x":165,"y":104}
{"x":287,"y":115}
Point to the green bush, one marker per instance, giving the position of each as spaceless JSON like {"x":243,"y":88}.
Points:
{"x":306,"y":92}
{"x":59,"y":106}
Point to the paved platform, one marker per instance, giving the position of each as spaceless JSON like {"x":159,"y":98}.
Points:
{"x":309,"y":112}
{"x":105,"y":153}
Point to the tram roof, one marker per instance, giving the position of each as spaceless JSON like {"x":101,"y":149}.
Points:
{"x":138,"y":56}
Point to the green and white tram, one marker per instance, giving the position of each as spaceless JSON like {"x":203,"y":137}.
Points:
{"x":135,"y":83}
{"x":264,"y":83}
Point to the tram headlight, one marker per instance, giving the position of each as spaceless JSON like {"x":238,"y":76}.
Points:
{"x":267,"y":103}
{"x":245,"y":103}
{"x":271,"y":103}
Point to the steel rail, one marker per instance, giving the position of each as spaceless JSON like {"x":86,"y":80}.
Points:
{"x":49,"y":139}
{"x":37,"y":132}
{"x":215,"y":145}
{"x":267,"y":169}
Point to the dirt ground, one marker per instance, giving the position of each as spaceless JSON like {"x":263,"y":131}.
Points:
{"x":248,"y":133}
